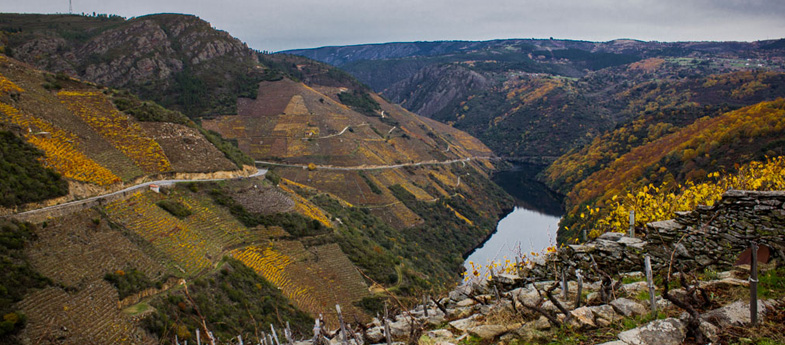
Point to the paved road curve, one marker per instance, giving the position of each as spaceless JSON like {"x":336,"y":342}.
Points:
{"x":259,"y":172}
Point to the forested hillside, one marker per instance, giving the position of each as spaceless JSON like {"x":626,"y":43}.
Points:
{"x":541,"y":98}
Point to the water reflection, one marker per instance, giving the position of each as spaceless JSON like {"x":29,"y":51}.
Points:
{"x":530,"y":227}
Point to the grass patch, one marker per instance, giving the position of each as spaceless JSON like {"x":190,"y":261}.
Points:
{"x":137,"y":309}
{"x":772,"y":284}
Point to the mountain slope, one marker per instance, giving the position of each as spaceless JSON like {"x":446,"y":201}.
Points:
{"x":540,"y":98}
{"x":85,"y":138}
{"x":685,"y":156}
{"x":179,"y":61}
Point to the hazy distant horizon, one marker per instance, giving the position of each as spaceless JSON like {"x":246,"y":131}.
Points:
{"x":277,"y":25}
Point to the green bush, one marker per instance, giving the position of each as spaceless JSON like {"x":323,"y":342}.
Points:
{"x":360,"y":101}
{"x":235,"y":301}
{"x":129,"y":281}
{"x":176,"y":208}
{"x":17,"y":276}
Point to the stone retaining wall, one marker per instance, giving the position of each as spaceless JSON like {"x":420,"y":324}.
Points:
{"x":708,"y":236}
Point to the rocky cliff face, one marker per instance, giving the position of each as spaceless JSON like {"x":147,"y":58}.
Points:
{"x":433,"y":88}
{"x":143,"y":49}
{"x":161,"y":57}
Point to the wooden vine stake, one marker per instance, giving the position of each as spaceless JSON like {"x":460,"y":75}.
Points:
{"x":387,"y":334}
{"x":754,"y":284}
{"x":650,"y":282}
{"x":564,"y":285}
{"x":343,"y":325}
{"x":580,"y":288}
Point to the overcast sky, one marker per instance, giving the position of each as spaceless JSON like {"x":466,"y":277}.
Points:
{"x":275,"y":25}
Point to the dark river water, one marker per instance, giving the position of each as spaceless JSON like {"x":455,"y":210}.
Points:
{"x":530,"y":227}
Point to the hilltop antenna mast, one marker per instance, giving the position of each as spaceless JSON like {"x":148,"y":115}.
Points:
{"x":70,"y":7}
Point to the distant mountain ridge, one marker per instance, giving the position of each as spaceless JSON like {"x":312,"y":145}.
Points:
{"x":540,"y":97}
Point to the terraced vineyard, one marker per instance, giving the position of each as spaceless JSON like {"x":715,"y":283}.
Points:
{"x":89,"y":316}
{"x":307,"y":208}
{"x":125,"y":134}
{"x":316,"y":278}
{"x":76,"y":250}
{"x":271,"y":264}
{"x":59,"y":148}
{"x":192,"y":243}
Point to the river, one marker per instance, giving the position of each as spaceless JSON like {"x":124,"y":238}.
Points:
{"x":530,"y":227}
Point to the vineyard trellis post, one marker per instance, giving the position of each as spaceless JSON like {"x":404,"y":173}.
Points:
{"x":344,"y":339}
{"x":274,"y":335}
{"x":754,"y":284}
{"x":289,"y":339}
{"x":564,"y":285}
{"x":387,"y":335}
{"x":650,"y":282}
{"x":580,"y":288}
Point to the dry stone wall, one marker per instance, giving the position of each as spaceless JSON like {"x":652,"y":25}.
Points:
{"x":708,"y":236}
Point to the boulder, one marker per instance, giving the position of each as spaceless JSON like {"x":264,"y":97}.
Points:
{"x":660,"y":332}
{"x":400,"y":328}
{"x":466,"y":302}
{"x":593,"y":298}
{"x":508,"y":280}
{"x":634,"y":275}
{"x":441,"y":336}
{"x":628,"y":307}
{"x":711,"y":332}
{"x":735,"y":314}
{"x":435,"y":318}
{"x":533,"y":330}
{"x":461,"y":292}
{"x":611,"y":236}
{"x":632,"y":242}
{"x":615,"y":342}
{"x":604,"y":315}
{"x":725,"y":283}
{"x":489,"y":331}
{"x":633,"y":289}
{"x":583,"y":317}
{"x":463,"y":325}
{"x":375,"y":334}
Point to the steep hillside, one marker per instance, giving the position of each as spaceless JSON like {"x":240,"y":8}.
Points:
{"x":179,"y":61}
{"x":672,"y":161}
{"x":361,"y":192}
{"x":409,"y":171}
{"x":83,"y":136}
{"x":541,"y":98}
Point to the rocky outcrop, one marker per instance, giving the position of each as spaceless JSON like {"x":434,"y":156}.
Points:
{"x":432,"y":88}
{"x":156,"y":56}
